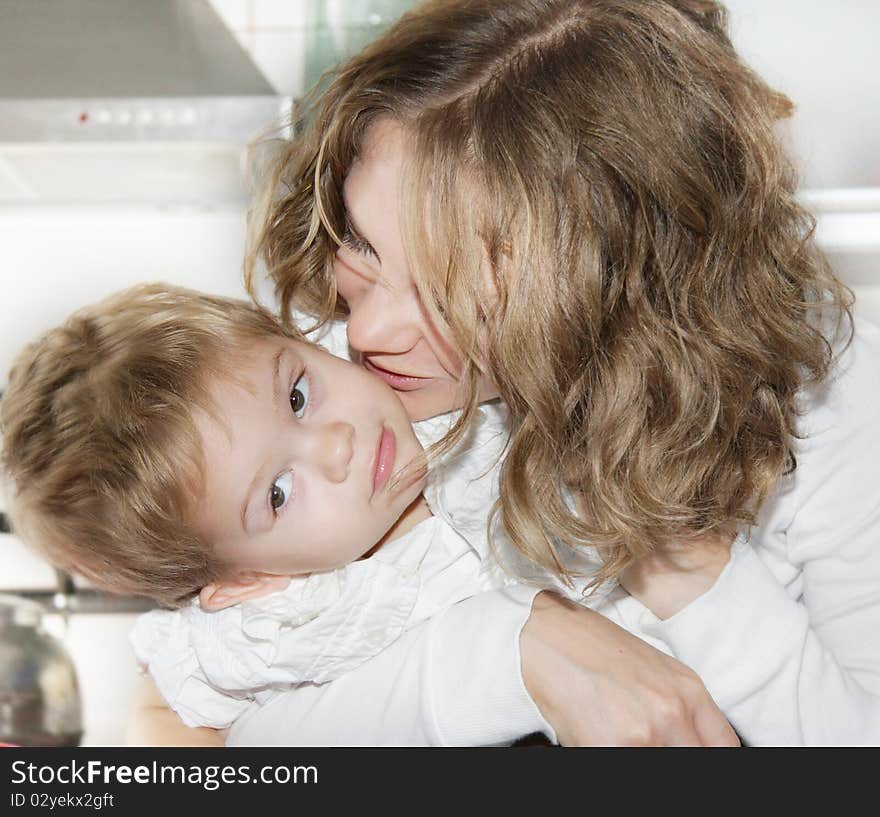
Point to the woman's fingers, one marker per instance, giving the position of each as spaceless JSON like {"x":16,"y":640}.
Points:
{"x":598,"y":685}
{"x":711,"y":732}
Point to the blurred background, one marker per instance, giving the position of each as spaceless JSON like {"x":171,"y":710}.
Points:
{"x":122,"y":125}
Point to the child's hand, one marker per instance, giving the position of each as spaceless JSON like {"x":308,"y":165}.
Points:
{"x":152,"y":723}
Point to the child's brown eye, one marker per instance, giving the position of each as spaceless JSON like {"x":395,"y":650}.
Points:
{"x":281,"y":491}
{"x":299,"y":396}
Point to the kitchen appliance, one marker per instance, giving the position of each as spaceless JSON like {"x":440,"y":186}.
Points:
{"x":40,"y":701}
{"x":125,"y":101}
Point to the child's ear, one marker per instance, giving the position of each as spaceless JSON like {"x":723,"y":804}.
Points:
{"x":227,"y":592}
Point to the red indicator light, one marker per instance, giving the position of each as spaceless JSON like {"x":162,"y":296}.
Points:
{"x":83,"y":117}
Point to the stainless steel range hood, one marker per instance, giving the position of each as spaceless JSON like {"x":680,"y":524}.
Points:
{"x":124,"y":100}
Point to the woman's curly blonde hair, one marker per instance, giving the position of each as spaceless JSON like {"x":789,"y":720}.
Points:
{"x":658,"y":300}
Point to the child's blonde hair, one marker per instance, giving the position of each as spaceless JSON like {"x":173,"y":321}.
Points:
{"x":100,"y":443}
{"x":658,"y":300}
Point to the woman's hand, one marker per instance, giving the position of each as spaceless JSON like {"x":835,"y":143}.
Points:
{"x":668,"y":580}
{"x":152,"y":723}
{"x":598,"y":685}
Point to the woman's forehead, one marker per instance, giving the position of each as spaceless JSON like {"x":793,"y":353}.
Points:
{"x":383,"y":147}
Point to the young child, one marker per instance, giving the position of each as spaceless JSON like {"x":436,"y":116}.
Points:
{"x":188,"y":448}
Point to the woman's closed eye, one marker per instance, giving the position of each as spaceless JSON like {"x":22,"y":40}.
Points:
{"x":357,"y":244}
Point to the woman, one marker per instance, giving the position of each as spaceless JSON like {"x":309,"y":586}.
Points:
{"x":581,"y":207}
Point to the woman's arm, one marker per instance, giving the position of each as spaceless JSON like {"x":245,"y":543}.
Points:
{"x":784,"y":673}
{"x":788,"y":639}
{"x":603,"y":686}
{"x":152,"y":723}
{"x":456,"y":681}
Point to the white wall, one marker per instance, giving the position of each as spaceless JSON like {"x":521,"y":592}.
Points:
{"x":54,"y":259}
{"x":824,"y":56}
{"x":293,"y":41}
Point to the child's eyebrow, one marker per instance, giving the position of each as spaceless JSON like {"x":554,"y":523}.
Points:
{"x":276,"y":369}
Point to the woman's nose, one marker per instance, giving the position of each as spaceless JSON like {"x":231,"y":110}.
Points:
{"x":383,"y":322}
{"x":329,"y":448}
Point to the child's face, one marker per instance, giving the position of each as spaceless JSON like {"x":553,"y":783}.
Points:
{"x":298,"y":476}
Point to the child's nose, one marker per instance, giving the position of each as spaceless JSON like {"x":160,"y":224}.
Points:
{"x":331,"y":449}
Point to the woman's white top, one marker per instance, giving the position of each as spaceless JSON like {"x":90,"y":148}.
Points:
{"x":787,"y":640}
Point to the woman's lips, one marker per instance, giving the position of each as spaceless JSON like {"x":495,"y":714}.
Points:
{"x":398,"y":382}
{"x":386,"y":452}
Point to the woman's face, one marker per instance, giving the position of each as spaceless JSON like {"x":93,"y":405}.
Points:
{"x":388,"y":327}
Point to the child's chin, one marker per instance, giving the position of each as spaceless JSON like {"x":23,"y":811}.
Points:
{"x":412,"y":486}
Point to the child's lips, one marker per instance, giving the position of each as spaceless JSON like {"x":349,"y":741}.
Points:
{"x":383,"y":461}
{"x":397,"y":381}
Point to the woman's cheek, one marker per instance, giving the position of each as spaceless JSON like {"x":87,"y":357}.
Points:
{"x":444,"y":350}
{"x":347,"y":283}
